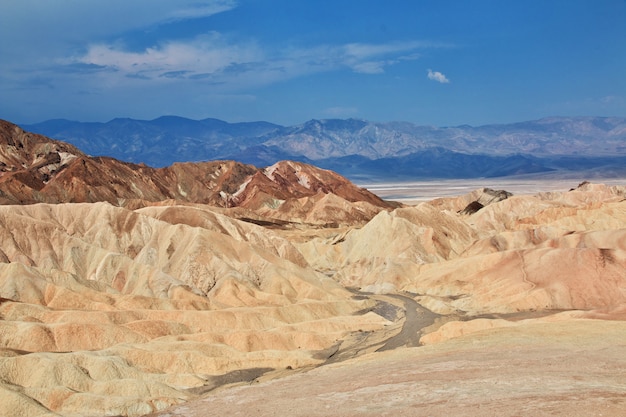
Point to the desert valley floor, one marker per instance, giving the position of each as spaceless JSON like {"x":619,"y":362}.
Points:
{"x":414,"y":192}
{"x":218,"y":288}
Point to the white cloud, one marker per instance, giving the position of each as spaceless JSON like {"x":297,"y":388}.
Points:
{"x":91,"y":40}
{"x":371,"y":67}
{"x":364,"y":50}
{"x":214,"y":58}
{"x":437,"y":76}
{"x":94,"y":48}
{"x":360,"y":57}
{"x":57,"y":29}
{"x":201,"y":9}
{"x":612,"y":100}
{"x":208,"y":54}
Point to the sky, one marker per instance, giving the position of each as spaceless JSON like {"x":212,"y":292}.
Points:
{"x":437,"y":62}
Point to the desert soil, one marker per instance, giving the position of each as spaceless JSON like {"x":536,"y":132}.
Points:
{"x":573,"y":368}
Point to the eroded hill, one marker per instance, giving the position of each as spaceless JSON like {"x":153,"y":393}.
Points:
{"x":130,"y":305}
{"x":36,"y":169}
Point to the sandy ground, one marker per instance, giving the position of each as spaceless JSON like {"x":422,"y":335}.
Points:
{"x":568,"y":369}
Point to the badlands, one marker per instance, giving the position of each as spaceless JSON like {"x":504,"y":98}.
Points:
{"x":220,"y":289}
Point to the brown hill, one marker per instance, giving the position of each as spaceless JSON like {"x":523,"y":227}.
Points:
{"x":22,"y":150}
{"x":36,"y":169}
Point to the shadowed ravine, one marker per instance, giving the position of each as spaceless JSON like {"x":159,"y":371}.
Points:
{"x":409,"y":317}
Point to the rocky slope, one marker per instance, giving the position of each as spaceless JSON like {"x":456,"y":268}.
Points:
{"x":36,"y":169}
{"x":154,"y":297}
{"x":545,"y":252}
{"x":571,"y":368}
{"x":531,"y":292}
{"x":107,"y":310}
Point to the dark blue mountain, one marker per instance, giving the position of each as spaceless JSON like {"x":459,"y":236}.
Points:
{"x":159,"y":142}
{"x":358,"y":148}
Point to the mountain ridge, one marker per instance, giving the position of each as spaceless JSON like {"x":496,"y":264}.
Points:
{"x":543,"y":143}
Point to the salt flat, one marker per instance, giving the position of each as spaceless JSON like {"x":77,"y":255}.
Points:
{"x":410,"y":192}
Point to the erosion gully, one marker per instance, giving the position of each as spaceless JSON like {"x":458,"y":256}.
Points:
{"x":410,"y":322}
{"x":409,"y":319}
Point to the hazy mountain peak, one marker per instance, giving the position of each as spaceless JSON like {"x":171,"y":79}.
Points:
{"x":350,"y":145}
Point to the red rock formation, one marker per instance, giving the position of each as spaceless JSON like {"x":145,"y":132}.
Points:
{"x":35,"y":169}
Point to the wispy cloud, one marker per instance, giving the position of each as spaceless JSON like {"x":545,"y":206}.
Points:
{"x":61,"y":33}
{"x":201,"y":9}
{"x":119,"y":49}
{"x":212,"y":57}
{"x":96,"y":49}
{"x":203,"y":56}
{"x":80,"y":19}
{"x":371,"y":67}
{"x":374,"y":58}
{"x":437,"y":76}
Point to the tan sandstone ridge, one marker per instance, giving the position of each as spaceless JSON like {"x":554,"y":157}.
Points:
{"x":223,"y":289}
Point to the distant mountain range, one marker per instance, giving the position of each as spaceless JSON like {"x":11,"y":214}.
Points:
{"x":360,"y":149}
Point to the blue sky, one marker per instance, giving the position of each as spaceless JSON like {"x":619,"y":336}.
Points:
{"x":440,"y":62}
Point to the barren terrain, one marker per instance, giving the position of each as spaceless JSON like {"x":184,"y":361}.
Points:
{"x":574,"y":368}
{"x":301,"y":294}
{"x":547,"y":337}
{"x":420,"y":311}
